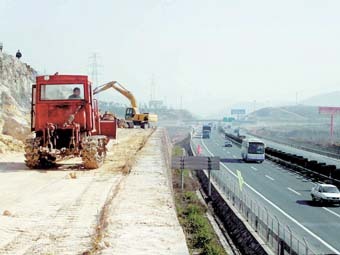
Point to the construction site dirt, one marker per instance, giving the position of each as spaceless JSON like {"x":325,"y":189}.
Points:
{"x":60,"y":211}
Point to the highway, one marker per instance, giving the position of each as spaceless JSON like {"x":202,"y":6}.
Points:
{"x":283,"y":193}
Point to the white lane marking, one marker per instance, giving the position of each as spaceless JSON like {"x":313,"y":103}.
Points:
{"x":294,"y":191}
{"x":270,"y":178}
{"x":228,"y":152}
{"x":330,"y":211}
{"x":278,"y":208}
{"x":223,"y":149}
{"x":254,"y":168}
{"x":234,"y":156}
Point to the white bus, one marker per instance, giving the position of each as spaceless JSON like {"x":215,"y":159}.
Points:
{"x":253,"y":150}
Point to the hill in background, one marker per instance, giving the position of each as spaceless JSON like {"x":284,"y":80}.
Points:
{"x":327,"y":99}
{"x":295,"y":113}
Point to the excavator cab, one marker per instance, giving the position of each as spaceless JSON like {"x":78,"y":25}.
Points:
{"x":129,"y":113}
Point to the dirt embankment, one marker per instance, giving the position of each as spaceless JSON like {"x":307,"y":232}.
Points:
{"x":58,"y":211}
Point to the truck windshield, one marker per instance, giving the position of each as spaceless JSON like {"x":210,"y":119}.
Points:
{"x":62,"y":92}
{"x":256,"y":148}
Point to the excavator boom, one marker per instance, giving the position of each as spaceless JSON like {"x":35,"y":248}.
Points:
{"x":120,"y":88}
{"x":132,"y":114}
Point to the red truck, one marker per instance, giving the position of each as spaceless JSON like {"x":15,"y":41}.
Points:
{"x":66,"y":122}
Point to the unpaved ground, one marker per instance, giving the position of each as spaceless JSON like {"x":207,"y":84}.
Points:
{"x":57,"y":211}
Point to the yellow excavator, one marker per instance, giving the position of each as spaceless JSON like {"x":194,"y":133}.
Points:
{"x":132,"y":115}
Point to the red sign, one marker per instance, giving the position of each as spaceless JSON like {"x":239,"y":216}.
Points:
{"x":329,"y":110}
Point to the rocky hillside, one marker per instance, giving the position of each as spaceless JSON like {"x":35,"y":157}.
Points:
{"x":16,"y":79}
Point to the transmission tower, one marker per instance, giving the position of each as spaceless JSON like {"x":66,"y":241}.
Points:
{"x":94,"y":68}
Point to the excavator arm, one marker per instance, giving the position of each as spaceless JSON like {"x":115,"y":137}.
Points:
{"x":120,"y":88}
{"x":132,"y":115}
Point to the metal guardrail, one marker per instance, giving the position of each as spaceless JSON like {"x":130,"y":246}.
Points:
{"x":278,"y":237}
{"x":307,"y":172}
{"x":321,"y":152}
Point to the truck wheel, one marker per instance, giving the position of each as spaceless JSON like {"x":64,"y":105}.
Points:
{"x":35,"y":158}
{"x":142,"y":125}
{"x":313,"y":198}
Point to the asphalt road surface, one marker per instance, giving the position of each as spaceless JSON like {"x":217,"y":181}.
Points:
{"x":283,"y":193}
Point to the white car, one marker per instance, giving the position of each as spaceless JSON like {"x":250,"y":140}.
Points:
{"x":325,"y":193}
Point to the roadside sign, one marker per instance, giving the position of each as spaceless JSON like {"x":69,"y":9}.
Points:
{"x":196,"y":163}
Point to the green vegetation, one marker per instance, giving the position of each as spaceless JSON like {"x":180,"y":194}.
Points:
{"x":200,"y":235}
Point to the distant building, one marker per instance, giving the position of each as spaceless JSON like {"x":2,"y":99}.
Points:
{"x":1,"y":46}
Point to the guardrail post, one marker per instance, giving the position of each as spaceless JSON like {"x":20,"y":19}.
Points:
{"x":306,"y":246}
{"x":267,"y":224}
{"x":209,"y":187}
{"x":256,"y":217}
{"x":278,"y":235}
{"x":272,"y":231}
{"x":290,"y":240}
{"x":234,"y":194}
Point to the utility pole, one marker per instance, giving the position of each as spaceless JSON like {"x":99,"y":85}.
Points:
{"x":94,"y":68}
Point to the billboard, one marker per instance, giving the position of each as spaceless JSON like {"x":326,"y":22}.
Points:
{"x":238,"y":111}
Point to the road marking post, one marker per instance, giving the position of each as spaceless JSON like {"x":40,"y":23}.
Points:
{"x":240,"y":179}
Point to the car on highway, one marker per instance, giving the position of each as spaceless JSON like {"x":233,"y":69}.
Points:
{"x":325,"y":193}
{"x":228,"y":143}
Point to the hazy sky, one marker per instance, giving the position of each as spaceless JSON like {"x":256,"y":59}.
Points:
{"x":212,"y":53}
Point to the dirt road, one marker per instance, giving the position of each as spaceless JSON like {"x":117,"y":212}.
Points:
{"x":57,"y":211}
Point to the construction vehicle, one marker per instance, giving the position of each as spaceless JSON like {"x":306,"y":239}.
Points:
{"x":132,"y":115}
{"x":66,"y":122}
